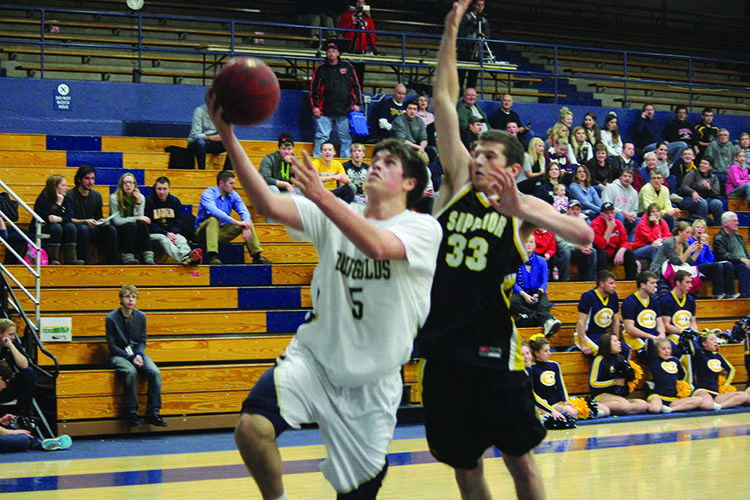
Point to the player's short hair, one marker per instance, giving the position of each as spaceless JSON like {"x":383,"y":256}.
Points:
{"x":224,"y":176}
{"x":6,"y":324}
{"x":604,"y":275}
{"x":708,"y":159}
{"x":412,"y":165}
{"x":707,"y":110}
{"x":511,"y":146}
{"x":127,"y":290}
{"x":537,"y":343}
{"x":680,"y":275}
{"x":643,"y":277}
{"x":357,"y":145}
{"x":82,"y":172}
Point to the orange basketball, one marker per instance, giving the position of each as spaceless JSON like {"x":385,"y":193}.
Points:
{"x":247,"y":90}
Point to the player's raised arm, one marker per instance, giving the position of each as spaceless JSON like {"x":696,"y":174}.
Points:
{"x":277,"y":206}
{"x":453,"y":154}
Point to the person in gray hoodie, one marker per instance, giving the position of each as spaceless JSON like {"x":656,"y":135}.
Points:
{"x":624,"y":197}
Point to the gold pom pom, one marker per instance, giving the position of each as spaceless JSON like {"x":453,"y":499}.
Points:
{"x":683,"y":389}
{"x":723,"y":388}
{"x":582,"y":406}
{"x":637,"y":382}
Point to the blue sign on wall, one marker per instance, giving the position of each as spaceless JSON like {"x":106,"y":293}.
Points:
{"x":63,"y":98}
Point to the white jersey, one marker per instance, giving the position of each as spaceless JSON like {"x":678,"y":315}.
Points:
{"x":366,"y":313}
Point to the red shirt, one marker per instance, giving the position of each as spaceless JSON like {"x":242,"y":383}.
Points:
{"x":618,"y":239}
{"x":545,"y":243}
{"x":645,"y":233}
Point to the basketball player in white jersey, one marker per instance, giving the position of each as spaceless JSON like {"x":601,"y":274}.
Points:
{"x":370,"y":293}
{"x":475,"y":392}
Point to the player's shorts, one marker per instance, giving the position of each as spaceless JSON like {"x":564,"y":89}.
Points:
{"x":356,"y":423}
{"x":469,"y":409}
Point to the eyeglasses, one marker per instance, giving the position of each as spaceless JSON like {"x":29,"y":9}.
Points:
{"x":128,"y":182}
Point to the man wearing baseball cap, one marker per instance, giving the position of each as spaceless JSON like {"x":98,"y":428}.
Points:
{"x":334,"y":92}
{"x":583,"y":256}
{"x":611,"y":242}
{"x":276,"y":167}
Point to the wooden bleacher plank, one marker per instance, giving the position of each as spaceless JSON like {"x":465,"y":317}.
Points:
{"x":145,"y":160}
{"x":23,"y":142}
{"x":288,"y":253}
{"x":206,"y":323}
{"x":33,"y":158}
{"x":175,"y":379}
{"x":201,"y":350}
{"x":98,"y":407}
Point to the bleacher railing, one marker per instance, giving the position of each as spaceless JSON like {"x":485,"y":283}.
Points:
{"x":215,"y":39}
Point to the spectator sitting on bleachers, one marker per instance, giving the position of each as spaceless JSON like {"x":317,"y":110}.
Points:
{"x":611,"y":242}
{"x":13,"y":438}
{"x":52,"y":206}
{"x":650,"y":233}
{"x":386,"y":111}
{"x":663,"y":161}
{"x":666,"y":370}
{"x":677,"y":251}
{"x":126,"y":340}
{"x":547,"y":380}
{"x":731,"y":246}
{"x":214,"y":223}
{"x":627,"y":159}
{"x":468,"y":109}
{"x":705,"y":362}
{"x":624,"y":197}
{"x":86,"y":205}
{"x":558,"y":132}
{"x":583,"y":256}
{"x":679,"y":132}
{"x":552,"y":176}
{"x":203,"y":139}
{"x":579,"y":150}
{"x":318,"y":14}
{"x":559,"y":156}
{"x":332,"y":173}
{"x":164,"y":210}
{"x":529,"y":303}
{"x":597,"y":313}
{"x":128,"y":205}
{"x":357,"y":170}
{"x":559,"y":199}
{"x":470,"y":135}
{"x":504,"y":114}
{"x":700,"y":191}
{"x":534,"y":167}
{"x":738,"y":180}
{"x":276,"y":167}
{"x":643,"y":176}
{"x":705,"y":131}
{"x":602,"y":168}
{"x":22,"y":387}
{"x":722,"y":151}
{"x":610,"y":374}
{"x":591,"y":127}
{"x":647,"y":131}
{"x":423,"y":111}
{"x":655,"y":192}
{"x":582,"y":190}
{"x":640,"y":312}
{"x":684,"y":164}
{"x":546,"y":247}
{"x":610,"y":135}
{"x":744,"y":145}
{"x":722,"y":272}
{"x":411,"y":129}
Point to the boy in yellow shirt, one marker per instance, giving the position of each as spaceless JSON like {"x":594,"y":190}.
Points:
{"x":333,"y":174}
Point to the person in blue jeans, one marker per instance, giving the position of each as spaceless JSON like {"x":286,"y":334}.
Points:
{"x":700,"y":191}
{"x":126,"y":339}
{"x":13,"y":438}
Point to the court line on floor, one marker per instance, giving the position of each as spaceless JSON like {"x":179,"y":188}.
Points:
{"x":157,"y":476}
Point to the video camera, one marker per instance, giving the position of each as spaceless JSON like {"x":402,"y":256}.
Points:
{"x":363,"y":10}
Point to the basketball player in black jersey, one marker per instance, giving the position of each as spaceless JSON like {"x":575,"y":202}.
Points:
{"x":475,"y":393}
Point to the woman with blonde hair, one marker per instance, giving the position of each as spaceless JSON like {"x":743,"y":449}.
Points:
{"x":534,"y":167}
{"x":127,"y":205}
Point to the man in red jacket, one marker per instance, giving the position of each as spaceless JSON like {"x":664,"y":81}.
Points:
{"x":611,"y":242}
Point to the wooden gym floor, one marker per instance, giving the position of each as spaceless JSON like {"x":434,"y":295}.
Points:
{"x":661,"y":458}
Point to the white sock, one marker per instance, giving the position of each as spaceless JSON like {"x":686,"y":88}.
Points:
{"x":717,"y":406}
{"x":282,"y":497}
{"x":666,"y":409}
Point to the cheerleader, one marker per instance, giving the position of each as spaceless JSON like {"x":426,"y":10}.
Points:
{"x":707,"y":364}
{"x":610,"y":373}
{"x":666,"y":371}
{"x":547,"y":381}
{"x":543,"y":408}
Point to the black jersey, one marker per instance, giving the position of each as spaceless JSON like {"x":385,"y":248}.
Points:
{"x":479,"y":255}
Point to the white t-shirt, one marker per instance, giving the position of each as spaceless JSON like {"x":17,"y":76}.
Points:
{"x":366,"y":313}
